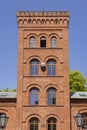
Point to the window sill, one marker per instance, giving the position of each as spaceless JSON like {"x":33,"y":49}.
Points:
{"x":43,"y":105}
{"x":40,"y":76}
{"x":45,"y":48}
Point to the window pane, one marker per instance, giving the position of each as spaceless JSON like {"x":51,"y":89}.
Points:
{"x":32,"y":42}
{"x":53,"y":99}
{"x":34,"y":124}
{"x":34,"y":96}
{"x":49,"y":99}
{"x":53,"y":70}
{"x":52,"y":124}
{"x":32,"y":70}
{"x":51,"y":67}
{"x":43,"y":38}
{"x":43,"y":42}
{"x":51,"y":96}
{"x":31,"y":127}
{"x":34,"y":67}
{"x":49,"y":127}
{"x":49,"y":70}
{"x":36,"y":99}
{"x":53,"y":42}
{"x":32,"y":99}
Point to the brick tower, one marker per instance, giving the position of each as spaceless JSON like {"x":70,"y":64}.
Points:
{"x":43,"y":100}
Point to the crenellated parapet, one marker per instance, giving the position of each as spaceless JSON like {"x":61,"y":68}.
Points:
{"x":60,"y":18}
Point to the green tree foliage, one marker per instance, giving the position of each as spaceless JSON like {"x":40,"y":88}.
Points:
{"x":8,"y":90}
{"x":77,"y":81}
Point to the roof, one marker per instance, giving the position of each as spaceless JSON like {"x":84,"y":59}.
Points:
{"x":78,"y":95}
{"x":8,"y":94}
{"x":73,"y":95}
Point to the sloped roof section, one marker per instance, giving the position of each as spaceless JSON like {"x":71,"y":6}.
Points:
{"x":78,"y":95}
{"x":8,"y":94}
{"x":73,"y":95}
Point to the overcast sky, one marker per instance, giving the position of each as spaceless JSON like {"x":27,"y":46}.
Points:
{"x":9,"y":41}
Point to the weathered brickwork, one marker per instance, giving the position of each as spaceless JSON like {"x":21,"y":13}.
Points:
{"x":45,"y":24}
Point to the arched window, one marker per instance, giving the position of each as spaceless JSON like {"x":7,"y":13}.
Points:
{"x":34,"y":67}
{"x":51,"y":96}
{"x":43,"y":42}
{"x":32,"y":42}
{"x":34,"y":94}
{"x":51,"y":67}
{"x":51,"y":123}
{"x":34,"y":123}
{"x":53,"y":42}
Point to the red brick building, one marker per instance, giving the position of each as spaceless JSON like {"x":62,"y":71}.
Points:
{"x":43,"y":97}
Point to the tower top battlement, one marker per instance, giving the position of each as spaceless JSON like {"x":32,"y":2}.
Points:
{"x":42,"y":13}
{"x":47,"y":18}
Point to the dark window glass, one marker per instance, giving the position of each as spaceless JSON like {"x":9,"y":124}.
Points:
{"x":51,"y":96}
{"x":34,"y":124}
{"x":51,"y":67}
{"x":53,"y":42}
{"x":34,"y":96}
{"x":51,"y":124}
{"x":43,"y":42}
{"x":34,"y":67}
{"x":32,"y":42}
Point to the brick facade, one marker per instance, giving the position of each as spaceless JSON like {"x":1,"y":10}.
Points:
{"x":45,"y":24}
{"x":20,"y":112}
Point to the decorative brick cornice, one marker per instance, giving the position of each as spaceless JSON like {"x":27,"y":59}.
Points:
{"x":43,"y":18}
{"x":42,"y":13}
{"x":78,"y":105}
{"x":7,"y":105}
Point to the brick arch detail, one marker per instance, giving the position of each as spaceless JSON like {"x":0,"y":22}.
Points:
{"x":3,"y":110}
{"x":33,"y":86}
{"x":25,"y":21}
{"x":20,"y":22}
{"x":61,"y":21}
{"x":51,"y":57}
{"x":32,"y":35}
{"x":43,"y":21}
{"x":43,"y":35}
{"x":51,"y":86}
{"x":51,"y":116}
{"x":38,"y":21}
{"x":53,"y":35}
{"x":33,"y":57}
{"x":52,"y":21}
{"x":34,"y":21}
{"x":83,"y":110}
{"x":33,"y":116}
